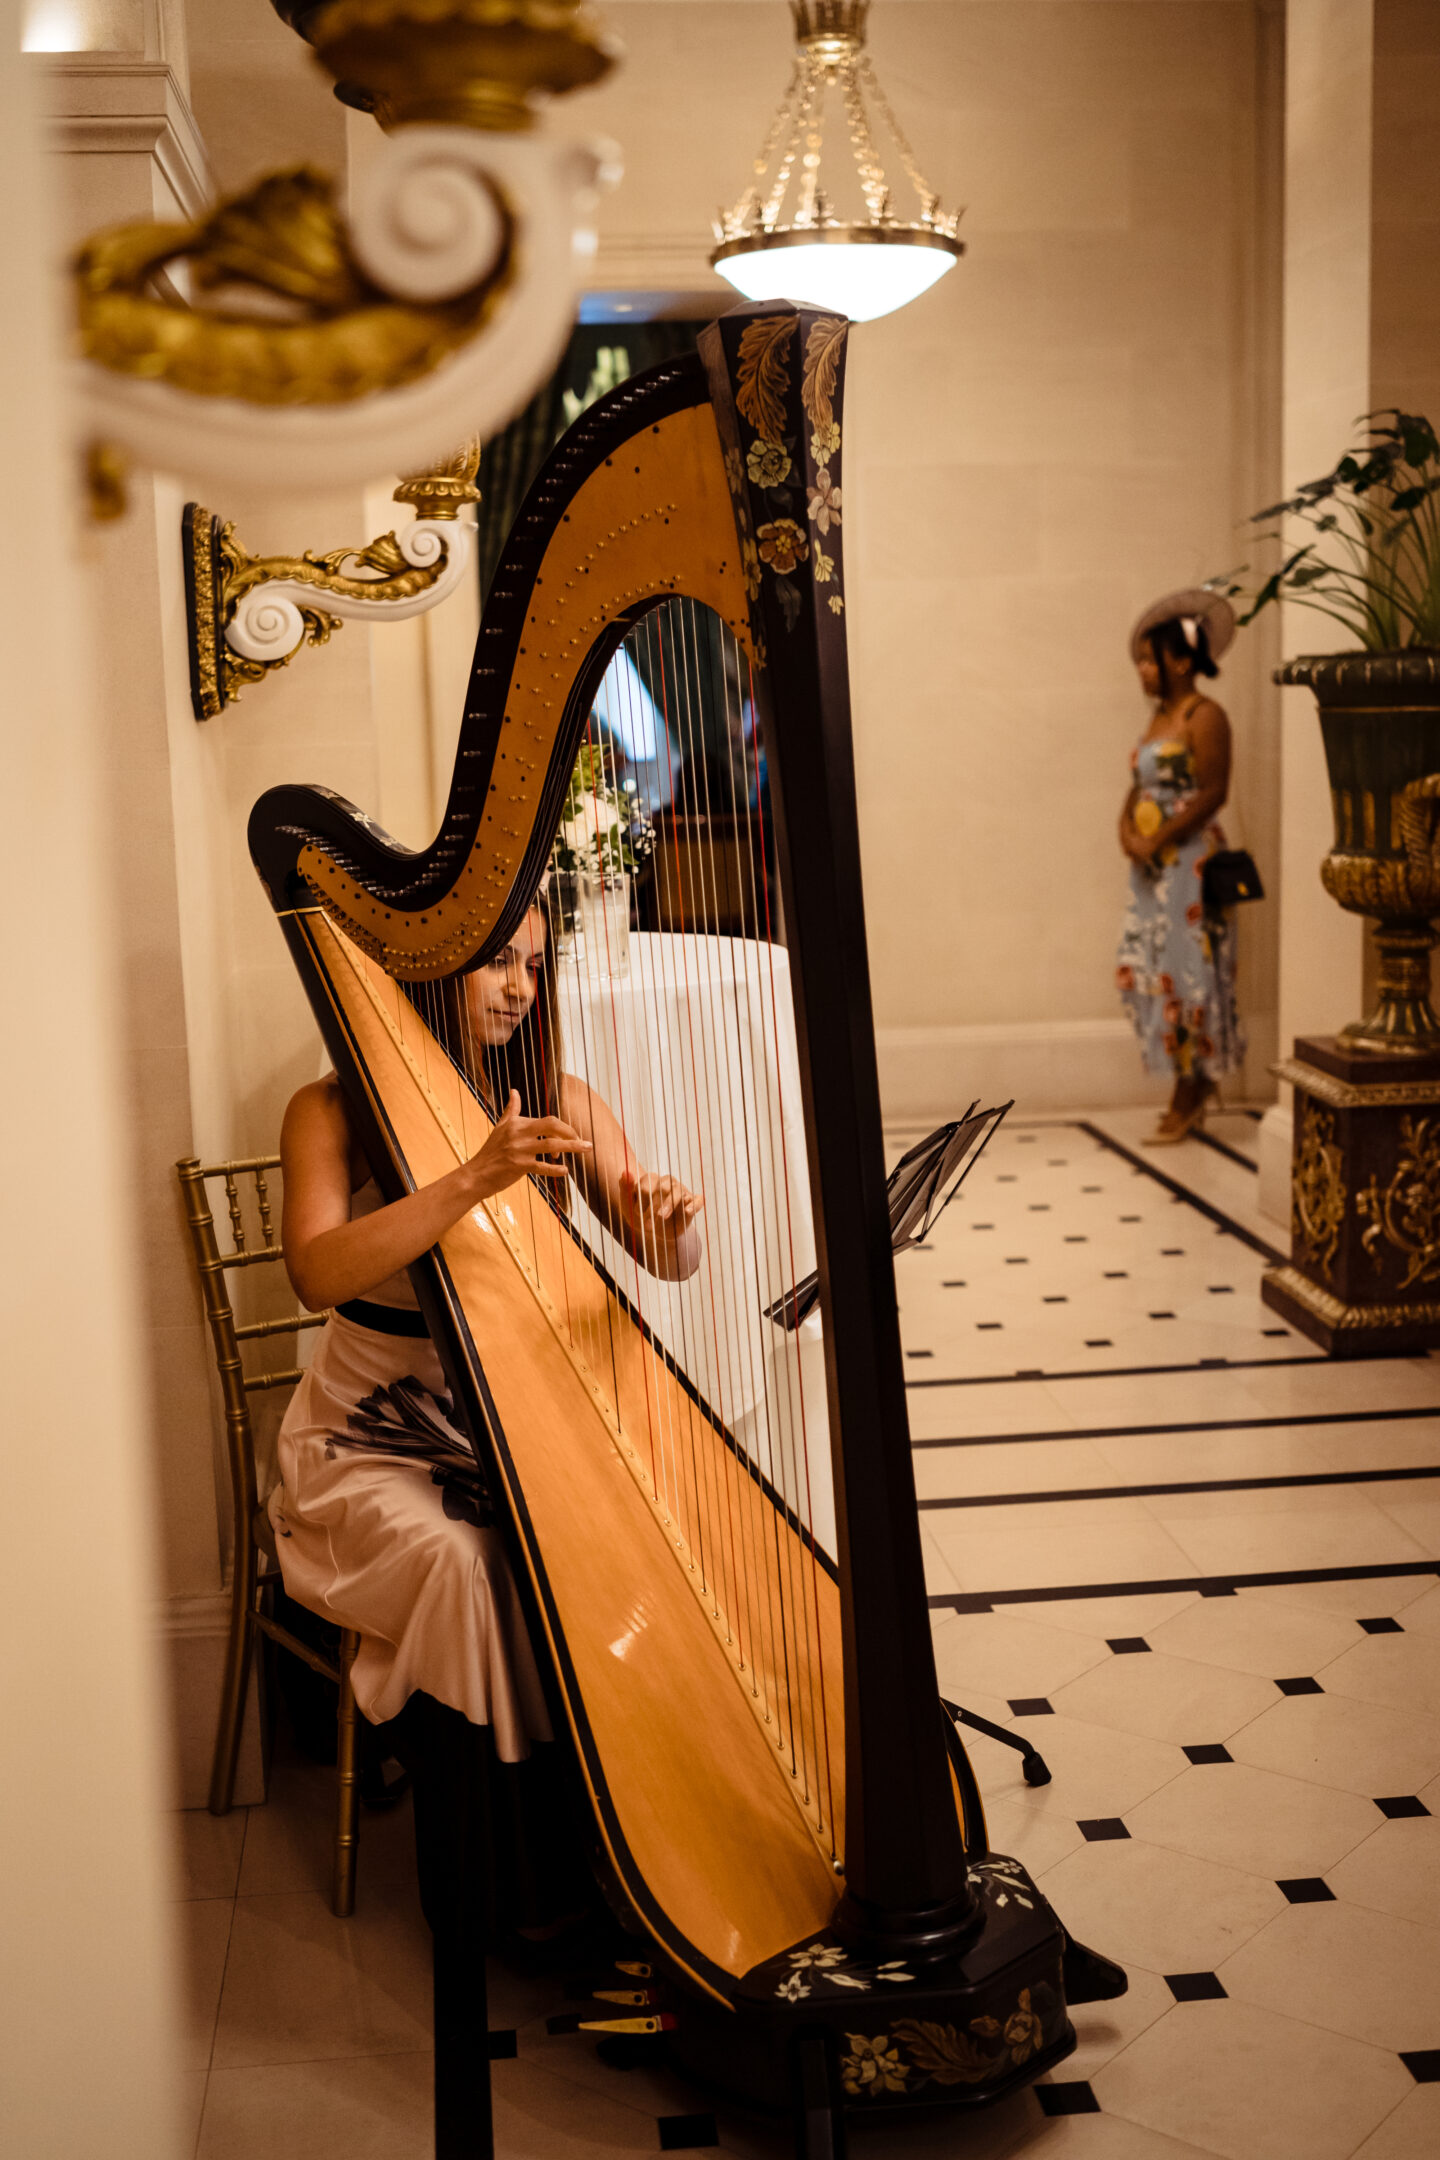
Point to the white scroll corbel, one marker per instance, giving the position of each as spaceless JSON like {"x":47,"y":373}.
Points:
{"x":249,"y":614}
{"x":279,"y":342}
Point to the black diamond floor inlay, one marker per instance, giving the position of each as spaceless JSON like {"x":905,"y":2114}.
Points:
{"x":1055,"y":1301}
{"x":1306,"y":1890}
{"x":1126,"y":1645}
{"x":1423,"y":2064}
{"x":684,"y":2133}
{"x":1383,"y":1626}
{"x":1117,"y":1274}
{"x":504,"y":2045}
{"x":1195,"y":1987}
{"x":1100,"y":1828}
{"x":1301,"y":1686}
{"x":1208,"y":1751}
{"x":1038,"y":1706}
{"x":1074,"y":2098}
{"x":1172,"y":1252}
{"x":1221,"y":1289}
{"x":919,"y":1353}
{"x":1098,"y":1342}
{"x":1400,"y":1805}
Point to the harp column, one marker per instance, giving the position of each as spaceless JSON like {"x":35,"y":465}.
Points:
{"x":776,"y":374}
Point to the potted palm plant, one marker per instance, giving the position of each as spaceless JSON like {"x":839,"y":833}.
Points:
{"x":1371,"y":563}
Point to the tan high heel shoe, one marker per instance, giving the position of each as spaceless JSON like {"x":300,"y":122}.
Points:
{"x":1185,"y":1120}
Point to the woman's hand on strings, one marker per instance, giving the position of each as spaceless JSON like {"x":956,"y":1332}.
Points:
{"x":524,"y":1147}
{"x":659,"y":1222}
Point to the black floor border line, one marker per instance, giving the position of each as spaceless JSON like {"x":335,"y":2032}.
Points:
{"x":1223,"y":1147}
{"x":1142,"y":1432}
{"x":1182,"y":1192}
{"x":975,"y":1601}
{"x":1121,"y":1372}
{"x":1151,"y":1492}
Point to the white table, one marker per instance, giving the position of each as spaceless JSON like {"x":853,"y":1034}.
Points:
{"x":693,"y":1048}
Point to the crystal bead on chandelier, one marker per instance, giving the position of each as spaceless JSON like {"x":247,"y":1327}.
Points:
{"x":861,"y":267}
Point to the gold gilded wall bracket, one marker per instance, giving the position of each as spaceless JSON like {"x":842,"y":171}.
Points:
{"x":247,"y":615}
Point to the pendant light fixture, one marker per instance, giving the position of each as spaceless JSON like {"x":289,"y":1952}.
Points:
{"x":788,"y":237}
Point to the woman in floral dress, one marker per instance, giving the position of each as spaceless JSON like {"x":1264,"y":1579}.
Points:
{"x":1176,"y":963}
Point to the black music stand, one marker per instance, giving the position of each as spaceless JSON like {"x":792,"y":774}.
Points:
{"x":921,"y":1187}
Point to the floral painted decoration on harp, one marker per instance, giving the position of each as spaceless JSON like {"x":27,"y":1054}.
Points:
{"x":773,"y":462}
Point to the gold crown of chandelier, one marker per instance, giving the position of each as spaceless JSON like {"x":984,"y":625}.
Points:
{"x":831,"y":57}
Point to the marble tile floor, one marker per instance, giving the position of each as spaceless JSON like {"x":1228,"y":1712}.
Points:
{"x":1198,"y":1564}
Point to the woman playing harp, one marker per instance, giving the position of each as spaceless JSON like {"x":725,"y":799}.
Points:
{"x":383,"y":1521}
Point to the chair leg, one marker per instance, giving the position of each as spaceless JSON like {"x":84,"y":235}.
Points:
{"x":239,"y":1655}
{"x":342,"y":1902}
{"x":819,"y":2102}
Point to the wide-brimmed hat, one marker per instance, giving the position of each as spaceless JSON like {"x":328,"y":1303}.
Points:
{"x":1208,"y":610}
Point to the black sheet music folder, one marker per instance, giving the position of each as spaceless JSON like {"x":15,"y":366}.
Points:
{"x":921,"y":1187}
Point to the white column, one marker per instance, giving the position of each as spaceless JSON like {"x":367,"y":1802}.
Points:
{"x":85,"y":1950}
{"x":1326,"y":384}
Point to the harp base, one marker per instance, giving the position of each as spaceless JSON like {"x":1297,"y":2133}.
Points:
{"x":927,"y":1937}
{"x":960,"y":2033}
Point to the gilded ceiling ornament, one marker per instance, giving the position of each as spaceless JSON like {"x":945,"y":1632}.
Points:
{"x":475,"y":63}
{"x":309,"y":348}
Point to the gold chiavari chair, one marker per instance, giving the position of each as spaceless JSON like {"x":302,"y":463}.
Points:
{"x":254,"y":1538}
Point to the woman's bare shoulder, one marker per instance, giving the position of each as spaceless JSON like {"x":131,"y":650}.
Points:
{"x":1206,"y":713}
{"x":315,"y":1109}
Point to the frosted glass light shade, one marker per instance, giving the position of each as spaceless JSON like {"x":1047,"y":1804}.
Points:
{"x":858,"y":280}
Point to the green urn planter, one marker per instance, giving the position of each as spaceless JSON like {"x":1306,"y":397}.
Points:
{"x":1380,"y":720}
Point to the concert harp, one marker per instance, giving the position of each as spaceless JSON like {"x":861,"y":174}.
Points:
{"x":713,"y":1517}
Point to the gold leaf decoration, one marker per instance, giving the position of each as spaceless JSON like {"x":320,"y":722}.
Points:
{"x":764,"y":375}
{"x":943,"y":2053}
{"x":823,"y":348}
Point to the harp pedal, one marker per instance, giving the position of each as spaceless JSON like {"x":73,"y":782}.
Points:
{"x":628,"y":1998}
{"x":572,"y":2022}
{"x":663,"y":2022}
{"x":636,"y":1972}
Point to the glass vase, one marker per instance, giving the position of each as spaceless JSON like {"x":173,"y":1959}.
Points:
{"x":603,"y":918}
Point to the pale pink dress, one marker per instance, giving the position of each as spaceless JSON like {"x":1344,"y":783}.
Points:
{"x":369,"y":1539}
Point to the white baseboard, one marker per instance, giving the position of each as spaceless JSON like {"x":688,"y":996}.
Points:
{"x":1044,"y":1064}
{"x":193,"y":1633}
{"x":1276,"y":1135}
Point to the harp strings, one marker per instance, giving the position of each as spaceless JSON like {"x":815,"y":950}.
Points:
{"x":691,"y":1049}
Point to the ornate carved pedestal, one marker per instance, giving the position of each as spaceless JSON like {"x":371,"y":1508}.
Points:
{"x":1364,"y":1272}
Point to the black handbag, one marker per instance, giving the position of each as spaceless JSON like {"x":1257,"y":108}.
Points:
{"x":1229,"y":877}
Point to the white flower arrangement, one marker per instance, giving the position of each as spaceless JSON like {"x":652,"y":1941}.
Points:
{"x":602,"y":829}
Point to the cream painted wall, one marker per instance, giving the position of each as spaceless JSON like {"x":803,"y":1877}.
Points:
{"x":1072,"y":422}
